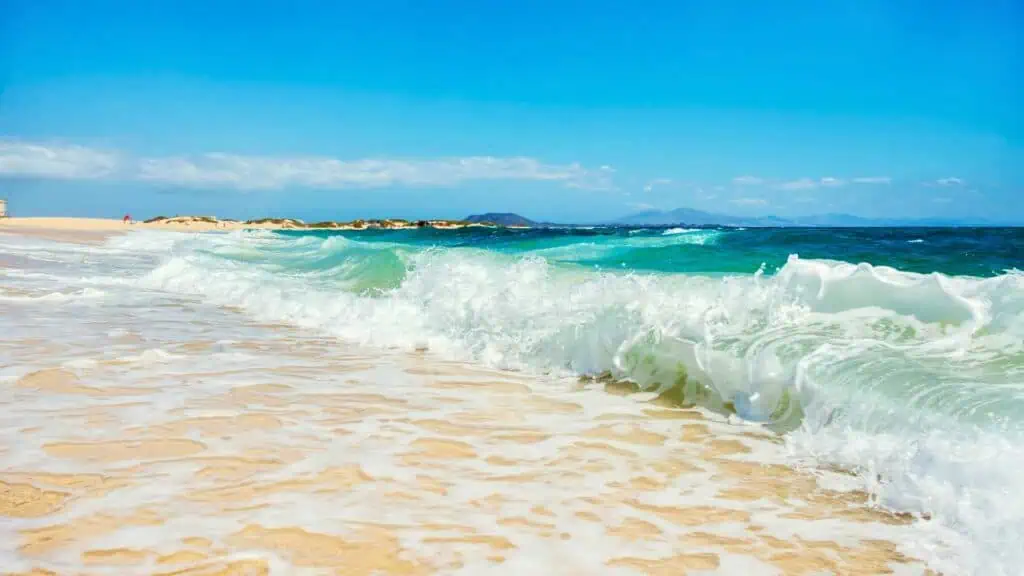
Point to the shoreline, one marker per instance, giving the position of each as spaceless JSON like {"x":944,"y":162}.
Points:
{"x":475,"y":469}
{"x":209,"y":223}
{"x":96,"y":230}
{"x":497,"y":461}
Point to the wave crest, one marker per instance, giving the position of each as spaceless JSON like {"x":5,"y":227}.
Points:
{"x":912,"y":380}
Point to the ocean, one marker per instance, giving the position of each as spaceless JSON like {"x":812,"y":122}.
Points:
{"x":887,"y":363}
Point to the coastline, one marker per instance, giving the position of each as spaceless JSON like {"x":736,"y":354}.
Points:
{"x":206,"y":223}
{"x":89,"y":230}
{"x":94,"y":230}
{"x":428,"y":465}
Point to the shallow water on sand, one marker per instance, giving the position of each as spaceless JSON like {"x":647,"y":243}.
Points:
{"x":148,"y":433}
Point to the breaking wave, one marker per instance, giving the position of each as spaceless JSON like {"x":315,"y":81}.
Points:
{"x":912,"y":380}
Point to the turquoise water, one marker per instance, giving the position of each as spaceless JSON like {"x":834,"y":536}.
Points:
{"x":954,"y":251}
{"x":896,"y":354}
{"x":924,"y":321}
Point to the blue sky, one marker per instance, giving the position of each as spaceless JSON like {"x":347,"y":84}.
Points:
{"x":570,"y":111}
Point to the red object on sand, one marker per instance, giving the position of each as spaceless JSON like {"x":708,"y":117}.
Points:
{"x":127,"y":218}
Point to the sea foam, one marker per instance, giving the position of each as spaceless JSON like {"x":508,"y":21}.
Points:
{"x":912,"y":381}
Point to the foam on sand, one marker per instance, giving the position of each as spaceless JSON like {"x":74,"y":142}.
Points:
{"x":311,"y":456}
{"x":222,"y":404}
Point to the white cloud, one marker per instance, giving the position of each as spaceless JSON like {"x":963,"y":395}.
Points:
{"x":66,"y":162}
{"x":872,"y":180}
{"x":750,"y":201}
{"x":828,"y":182}
{"x":580,"y":177}
{"x":264,"y":172}
{"x":801,"y":184}
{"x":26,"y":159}
{"x":950,"y":181}
{"x":747,"y":181}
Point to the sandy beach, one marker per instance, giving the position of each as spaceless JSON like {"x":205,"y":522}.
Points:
{"x":97,"y":229}
{"x":93,"y":230}
{"x":147,"y":433}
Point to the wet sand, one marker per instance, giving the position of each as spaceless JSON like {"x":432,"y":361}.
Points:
{"x":401,"y":464}
{"x":201,"y":443}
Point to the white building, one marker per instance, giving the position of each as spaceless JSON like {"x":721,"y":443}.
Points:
{"x":3,"y":208}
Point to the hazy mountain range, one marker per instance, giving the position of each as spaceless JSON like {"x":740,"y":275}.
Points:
{"x":700,"y":218}
{"x":691,"y":217}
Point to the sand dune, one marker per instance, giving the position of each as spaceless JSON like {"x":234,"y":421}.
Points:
{"x":96,"y":229}
{"x":91,"y":230}
{"x":185,"y":223}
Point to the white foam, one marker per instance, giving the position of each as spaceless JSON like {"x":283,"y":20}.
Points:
{"x":912,"y":377}
{"x":674,"y":231}
{"x":55,"y":297}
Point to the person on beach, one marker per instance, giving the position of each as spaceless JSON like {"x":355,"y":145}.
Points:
{"x":127,"y":218}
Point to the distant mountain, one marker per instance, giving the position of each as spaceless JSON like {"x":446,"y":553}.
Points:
{"x":501,"y":219}
{"x":693,"y":217}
